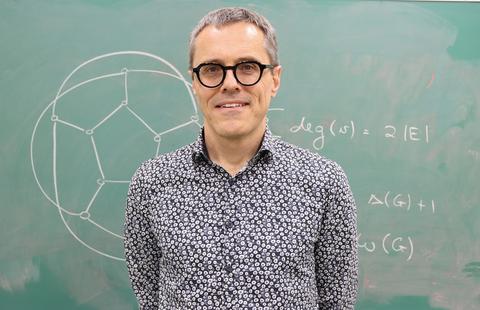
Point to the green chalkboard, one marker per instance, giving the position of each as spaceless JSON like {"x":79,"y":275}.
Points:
{"x":90,"y":89}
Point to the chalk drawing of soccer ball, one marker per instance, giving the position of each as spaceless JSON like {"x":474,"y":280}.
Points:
{"x":110,"y":114}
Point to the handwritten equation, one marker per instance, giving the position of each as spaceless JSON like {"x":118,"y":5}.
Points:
{"x":390,"y":245}
{"x":475,"y":154}
{"x":403,"y":201}
{"x":406,"y":133}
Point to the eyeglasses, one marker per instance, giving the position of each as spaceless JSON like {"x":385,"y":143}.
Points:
{"x":246,"y":73}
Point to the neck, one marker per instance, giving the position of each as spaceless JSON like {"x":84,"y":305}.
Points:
{"x":232,"y":154}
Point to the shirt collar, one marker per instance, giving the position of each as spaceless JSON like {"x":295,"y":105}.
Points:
{"x":200,"y":151}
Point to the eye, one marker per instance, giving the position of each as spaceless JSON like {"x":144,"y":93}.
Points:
{"x":211,"y":69}
{"x":248,"y":67}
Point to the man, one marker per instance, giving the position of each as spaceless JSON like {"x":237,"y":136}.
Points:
{"x":239,"y":219}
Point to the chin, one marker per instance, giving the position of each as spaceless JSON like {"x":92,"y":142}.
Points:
{"x":232,"y":131}
{"x":232,"y":134}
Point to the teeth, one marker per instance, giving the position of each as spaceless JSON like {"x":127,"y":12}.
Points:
{"x":232,"y":105}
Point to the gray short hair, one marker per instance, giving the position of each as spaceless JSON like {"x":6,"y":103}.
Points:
{"x":224,"y":16}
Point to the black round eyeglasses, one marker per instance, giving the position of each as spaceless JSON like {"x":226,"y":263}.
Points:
{"x":246,"y":73}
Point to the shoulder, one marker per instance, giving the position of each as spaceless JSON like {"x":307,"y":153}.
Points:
{"x":308,"y":163}
{"x":323,"y":177}
{"x":163,"y":166}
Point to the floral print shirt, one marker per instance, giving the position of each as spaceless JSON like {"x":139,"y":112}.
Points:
{"x":280,"y":234}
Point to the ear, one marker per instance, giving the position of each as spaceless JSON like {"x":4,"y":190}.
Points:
{"x":276,"y":75}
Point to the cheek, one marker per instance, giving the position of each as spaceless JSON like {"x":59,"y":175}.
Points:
{"x":202,"y":96}
{"x":264,"y":96}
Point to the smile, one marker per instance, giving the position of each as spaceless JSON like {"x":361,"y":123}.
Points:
{"x":231,"y":105}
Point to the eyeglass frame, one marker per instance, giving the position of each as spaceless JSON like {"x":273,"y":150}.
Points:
{"x":262,"y":67}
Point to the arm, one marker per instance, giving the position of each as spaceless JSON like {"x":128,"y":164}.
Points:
{"x":141,"y":250}
{"x":336,"y":252}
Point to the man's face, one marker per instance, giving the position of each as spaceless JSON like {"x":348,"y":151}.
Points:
{"x":229,"y":45}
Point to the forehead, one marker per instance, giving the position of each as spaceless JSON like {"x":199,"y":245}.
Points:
{"x":229,"y":43}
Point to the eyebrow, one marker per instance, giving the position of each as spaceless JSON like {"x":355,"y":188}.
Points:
{"x":238,"y":60}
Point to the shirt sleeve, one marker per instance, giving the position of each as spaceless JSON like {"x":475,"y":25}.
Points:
{"x":141,"y":249}
{"x":336,"y":252}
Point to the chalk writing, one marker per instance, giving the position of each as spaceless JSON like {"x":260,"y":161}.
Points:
{"x":58,"y":122}
{"x":475,"y":154}
{"x":402,"y":201}
{"x":349,"y":129}
{"x":410,"y":133}
{"x":319,"y":141}
{"x":390,"y":245}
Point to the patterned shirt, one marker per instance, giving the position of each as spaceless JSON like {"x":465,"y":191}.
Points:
{"x":280,"y":234}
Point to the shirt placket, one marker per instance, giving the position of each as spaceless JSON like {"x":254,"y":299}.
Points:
{"x":229,"y":260}
{"x":227,"y":226}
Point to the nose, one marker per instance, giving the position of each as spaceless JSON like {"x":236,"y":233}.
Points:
{"x":230,"y":83}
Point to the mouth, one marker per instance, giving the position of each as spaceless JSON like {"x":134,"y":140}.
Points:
{"x":231,"y":105}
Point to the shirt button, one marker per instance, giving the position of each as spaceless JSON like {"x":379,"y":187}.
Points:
{"x":229,"y":268}
{"x":231,"y":181}
{"x":229,"y":224}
